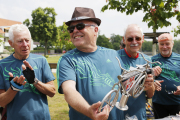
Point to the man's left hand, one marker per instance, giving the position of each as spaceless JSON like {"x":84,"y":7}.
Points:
{"x":28,"y":72}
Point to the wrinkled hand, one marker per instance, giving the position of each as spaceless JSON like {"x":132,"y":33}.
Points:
{"x":157,"y":84}
{"x":157,"y":70}
{"x":177,"y":91}
{"x":28,"y":72}
{"x":94,"y":115}
{"x":149,"y":82}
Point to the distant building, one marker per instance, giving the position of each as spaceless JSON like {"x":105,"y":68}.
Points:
{"x":4,"y":28}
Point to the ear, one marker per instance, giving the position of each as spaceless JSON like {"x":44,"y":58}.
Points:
{"x":11,"y":43}
{"x":123,"y":40}
{"x":96,"y":29}
{"x":143,"y":39}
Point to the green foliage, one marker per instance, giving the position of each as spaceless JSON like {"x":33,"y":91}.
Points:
{"x":158,"y":12}
{"x":176,"y":31}
{"x":147,"y":46}
{"x":115,"y":40}
{"x":43,"y":27}
{"x":37,"y":51}
{"x":103,"y":41}
{"x":0,"y":39}
{"x":176,"y":47}
{"x":64,"y":41}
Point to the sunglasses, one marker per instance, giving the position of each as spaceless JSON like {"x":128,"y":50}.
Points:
{"x":130,"y":39}
{"x":79,"y":26}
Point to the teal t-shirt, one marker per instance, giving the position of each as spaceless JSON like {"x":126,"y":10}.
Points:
{"x":171,"y":75}
{"x":136,"y":106}
{"x":29,"y":103}
{"x":94,"y":73}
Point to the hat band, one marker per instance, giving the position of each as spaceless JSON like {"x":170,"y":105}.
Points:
{"x":79,"y":18}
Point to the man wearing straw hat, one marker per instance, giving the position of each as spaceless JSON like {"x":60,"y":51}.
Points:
{"x":166,"y":100}
{"x":88,"y":72}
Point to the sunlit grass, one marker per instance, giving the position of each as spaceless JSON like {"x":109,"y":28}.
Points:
{"x":53,"y":59}
{"x":58,"y":107}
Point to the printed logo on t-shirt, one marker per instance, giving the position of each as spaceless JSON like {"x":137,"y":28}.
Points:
{"x":35,"y":67}
{"x":87,"y":70}
{"x":108,"y":61}
{"x":167,"y":72}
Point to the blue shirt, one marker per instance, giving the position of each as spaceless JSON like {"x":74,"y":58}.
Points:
{"x":136,"y":106}
{"x":171,"y":75}
{"x":94,"y":73}
{"x":29,"y":103}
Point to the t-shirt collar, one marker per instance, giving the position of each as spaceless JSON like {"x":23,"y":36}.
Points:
{"x":130,"y":55}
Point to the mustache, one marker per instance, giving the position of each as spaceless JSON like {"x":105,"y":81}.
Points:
{"x":132,"y":45}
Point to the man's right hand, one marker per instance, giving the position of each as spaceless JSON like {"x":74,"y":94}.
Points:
{"x":17,"y":83}
{"x":157,"y":84}
{"x":94,"y":115}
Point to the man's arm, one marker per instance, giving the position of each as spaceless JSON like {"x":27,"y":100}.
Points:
{"x":75,"y":100}
{"x":7,"y":96}
{"x":45,"y":88}
{"x":149,"y":86}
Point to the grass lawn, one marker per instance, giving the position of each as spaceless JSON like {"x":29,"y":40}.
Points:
{"x":53,"y":59}
{"x":58,"y":107}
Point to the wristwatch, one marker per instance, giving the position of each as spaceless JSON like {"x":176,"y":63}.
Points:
{"x":35,"y":81}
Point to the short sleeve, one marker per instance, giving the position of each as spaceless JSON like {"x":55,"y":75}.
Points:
{"x":65,"y":71}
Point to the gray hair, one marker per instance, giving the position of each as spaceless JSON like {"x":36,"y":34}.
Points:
{"x":17,"y":28}
{"x":135,"y":26}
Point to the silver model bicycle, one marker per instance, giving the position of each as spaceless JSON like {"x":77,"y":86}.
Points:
{"x":131,"y":83}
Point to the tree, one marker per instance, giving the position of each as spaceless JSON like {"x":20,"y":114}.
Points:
{"x":43,"y":27}
{"x":1,"y":36}
{"x":64,"y":41}
{"x":176,"y":31}
{"x":147,"y":46}
{"x":116,"y":40}
{"x":103,"y":41}
{"x":157,"y":12}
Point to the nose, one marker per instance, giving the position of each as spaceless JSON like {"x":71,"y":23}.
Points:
{"x":134,"y":40}
{"x":24,"y":43}
{"x":164,"y":46}
{"x":75,"y":30}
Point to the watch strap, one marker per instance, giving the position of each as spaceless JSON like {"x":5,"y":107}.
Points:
{"x":35,"y":81}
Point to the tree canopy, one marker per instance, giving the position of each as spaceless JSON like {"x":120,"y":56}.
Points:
{"x":43,"y":27}
{"x":103,"y":41}
{"x":64,"y":41}
{"x":157,"y":12}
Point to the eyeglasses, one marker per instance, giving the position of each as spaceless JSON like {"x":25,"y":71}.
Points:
{"x":130,"y":39}
{"x":79,"y":26}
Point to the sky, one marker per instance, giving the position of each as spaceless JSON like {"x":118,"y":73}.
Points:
{"x":112,"y":22}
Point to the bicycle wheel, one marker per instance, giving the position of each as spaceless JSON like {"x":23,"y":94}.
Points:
{"x":110,"y":99}
{"x":138,"y":87}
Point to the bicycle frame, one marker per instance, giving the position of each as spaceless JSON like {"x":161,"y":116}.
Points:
{"x":131,"y":83}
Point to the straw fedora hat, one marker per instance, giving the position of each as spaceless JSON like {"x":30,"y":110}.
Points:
{"x":81,"y":13}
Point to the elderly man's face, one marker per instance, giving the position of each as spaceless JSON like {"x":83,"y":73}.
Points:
{"x":21,"y":44}
{"x":85,"y":38}
{"x":165,"y":48}
{"x":133,"y":40}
